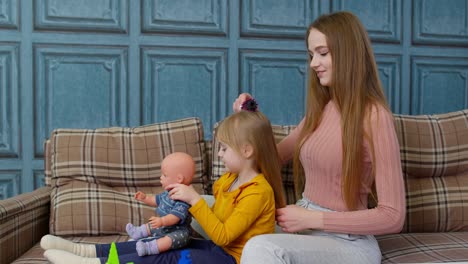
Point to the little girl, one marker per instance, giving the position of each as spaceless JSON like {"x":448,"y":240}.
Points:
{"x":245,"y":201}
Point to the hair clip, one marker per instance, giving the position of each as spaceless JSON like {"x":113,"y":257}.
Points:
{"x":250,"y":105}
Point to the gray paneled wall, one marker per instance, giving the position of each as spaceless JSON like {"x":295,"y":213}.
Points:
{"x":98,"y":63}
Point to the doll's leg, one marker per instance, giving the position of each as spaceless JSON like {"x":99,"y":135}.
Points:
{"x":154,"y":246}
{"x":137,"y":232}
{"x":173,"y":240}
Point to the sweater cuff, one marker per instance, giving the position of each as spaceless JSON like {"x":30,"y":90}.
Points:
{"x":201,"y":203}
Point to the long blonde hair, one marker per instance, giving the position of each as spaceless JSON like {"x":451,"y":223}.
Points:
{"x":254,"y":129}
{"x":355,"y":88}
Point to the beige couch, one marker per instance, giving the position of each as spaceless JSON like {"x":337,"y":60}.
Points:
{"x":91,"y":176}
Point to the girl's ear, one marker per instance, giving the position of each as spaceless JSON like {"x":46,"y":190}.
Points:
{"x":247,"y":151}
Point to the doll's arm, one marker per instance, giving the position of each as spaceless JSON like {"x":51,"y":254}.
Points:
{"x":147,"y":199}
{"x":167,"y":220}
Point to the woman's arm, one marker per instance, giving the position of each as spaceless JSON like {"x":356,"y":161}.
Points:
{"x":389,"y":215}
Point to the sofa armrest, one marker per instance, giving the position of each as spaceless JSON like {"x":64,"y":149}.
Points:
{"x":24,"y":219}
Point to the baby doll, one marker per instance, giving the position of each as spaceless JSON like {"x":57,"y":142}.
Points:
{"x":171,"y":227}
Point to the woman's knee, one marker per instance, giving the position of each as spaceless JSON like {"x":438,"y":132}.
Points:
{"x":260,"y":249}
{"x":258,"y":241}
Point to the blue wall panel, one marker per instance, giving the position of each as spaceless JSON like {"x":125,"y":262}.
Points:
{"x":278,"y":82}
{"x":382,"y":19}
{"x":100,"y":63}
{"x":78,"y":88}
{"x":89,"y":15}
{"x":439,"y":85}
{"x":277,"y":18}
{"x":389,"y":67}
{"x":39,"y":179}
{"x":182,"y":83}
{"x":9,"y":14}
{"x":188,"y":16}
{"x":436,"y":23}
{"x":9,"y":184}
{"x":9,"y":102}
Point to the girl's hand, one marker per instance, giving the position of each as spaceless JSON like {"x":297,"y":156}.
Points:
{"x":155,"y":222}
{"x":183,"y":193}
{"x":236,"y":106}
{"x":140,"y":196}
{"x":293,"y":218}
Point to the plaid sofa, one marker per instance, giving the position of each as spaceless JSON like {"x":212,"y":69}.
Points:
{"x":91,"y":176}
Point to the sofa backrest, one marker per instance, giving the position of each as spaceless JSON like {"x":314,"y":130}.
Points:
{"x":433,"y":149}
{"x":434,"y":159}
{"x":95,"y":173}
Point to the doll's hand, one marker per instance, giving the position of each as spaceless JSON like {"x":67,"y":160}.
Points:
{"x":183,"y":193}
{"x":293,"y":218}
{"x":236,"y":106}
{"x":155,"y":222}
{"x":140,"y":196}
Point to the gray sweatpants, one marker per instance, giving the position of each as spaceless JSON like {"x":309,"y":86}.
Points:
{"x":311,"y":247}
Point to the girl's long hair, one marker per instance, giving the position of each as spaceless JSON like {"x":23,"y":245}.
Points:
{"x":355,"y":88}
{"x":254,"y":129}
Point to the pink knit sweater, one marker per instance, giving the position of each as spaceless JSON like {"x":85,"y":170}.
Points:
{"x":321,"y":157}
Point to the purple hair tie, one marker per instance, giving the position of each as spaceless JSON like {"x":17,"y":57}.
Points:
{"x":250,"y":105}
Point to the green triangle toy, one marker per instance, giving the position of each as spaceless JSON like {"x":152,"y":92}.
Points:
{"x":113,"y":256}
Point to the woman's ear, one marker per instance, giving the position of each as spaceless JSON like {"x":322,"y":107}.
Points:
{"x":247,"y":151}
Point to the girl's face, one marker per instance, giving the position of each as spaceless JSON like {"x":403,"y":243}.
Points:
{"x":320,"y":57}
{"x":233,"y":161}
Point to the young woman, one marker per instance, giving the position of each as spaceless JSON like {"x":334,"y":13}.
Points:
{"x":245,"y":201}
{"x":345,"y":144}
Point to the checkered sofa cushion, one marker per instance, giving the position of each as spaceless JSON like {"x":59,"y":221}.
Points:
{"x":94,"y":173}
{"x":218,"y":168}
{"x":24,"y":220}
{"x":424,"y":247}
{"x":434,"y":158}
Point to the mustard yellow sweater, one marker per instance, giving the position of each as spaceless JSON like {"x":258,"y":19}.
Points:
{"x":238,"y":215}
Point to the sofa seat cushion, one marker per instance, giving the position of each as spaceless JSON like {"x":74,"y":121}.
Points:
{"x":424,"y":247}
{"x":36,"y":254}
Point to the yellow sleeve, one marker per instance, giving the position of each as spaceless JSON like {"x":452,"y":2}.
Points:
{"x":245,"y":213}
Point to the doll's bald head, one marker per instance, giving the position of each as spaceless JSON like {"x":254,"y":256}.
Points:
{"x":177,"y":167}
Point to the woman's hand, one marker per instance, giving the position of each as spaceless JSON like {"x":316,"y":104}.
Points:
{"x":293,"y":218}
{"x":236,"y":106}
{"x":183,"y":193}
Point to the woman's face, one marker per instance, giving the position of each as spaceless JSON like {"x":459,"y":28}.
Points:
{"x":320,"y":56}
